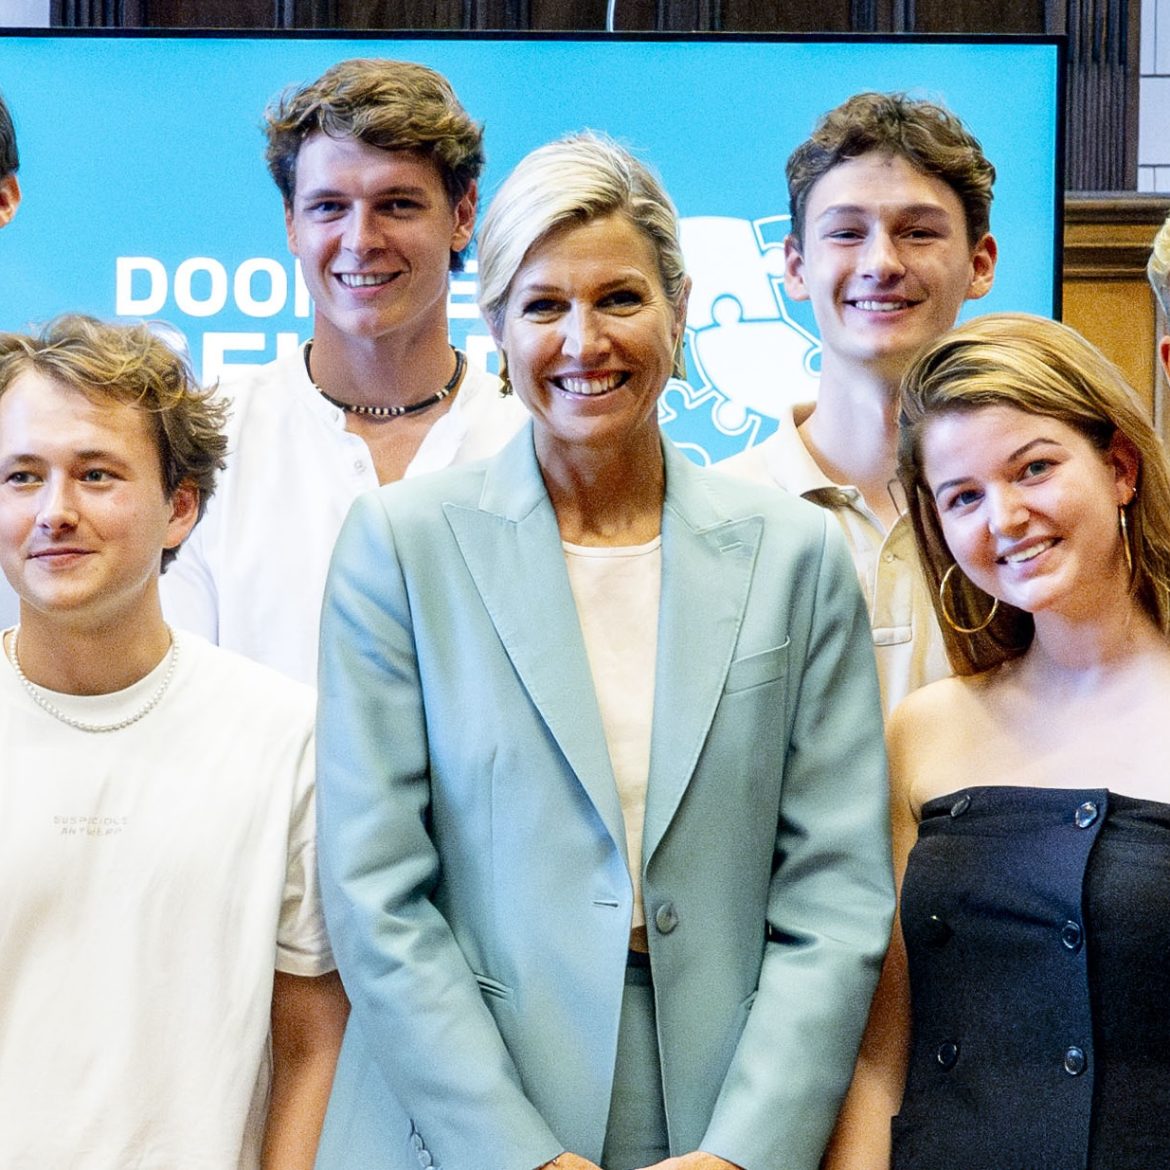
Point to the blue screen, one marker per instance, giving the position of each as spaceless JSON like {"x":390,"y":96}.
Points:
{"x":146,"y":193}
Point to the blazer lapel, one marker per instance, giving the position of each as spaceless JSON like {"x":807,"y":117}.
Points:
{"x":512,"y":548}
{"x":707,"y":565}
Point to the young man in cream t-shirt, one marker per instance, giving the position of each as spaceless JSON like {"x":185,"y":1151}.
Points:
{"x":168,"y":997}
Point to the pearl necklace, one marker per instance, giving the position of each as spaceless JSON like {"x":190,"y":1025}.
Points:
{"x":38,"y":696}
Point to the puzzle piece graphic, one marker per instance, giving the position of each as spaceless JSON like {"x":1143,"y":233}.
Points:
{"x":742,"y":339}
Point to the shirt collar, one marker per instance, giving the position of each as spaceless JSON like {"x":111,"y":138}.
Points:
{"x":794,"y":469}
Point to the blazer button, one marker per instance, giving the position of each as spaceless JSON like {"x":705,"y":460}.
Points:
{"x":938,"y":933}
{"x":665,"y":918}
{"x":1072,"y":935}
{"x":947,"y":1054}
{"x":1075,"y":1061}
{"x":961,"y":805}
{"x":1086,"y":814}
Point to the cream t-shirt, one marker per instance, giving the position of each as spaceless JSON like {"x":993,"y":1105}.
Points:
{"x":154,"y":878}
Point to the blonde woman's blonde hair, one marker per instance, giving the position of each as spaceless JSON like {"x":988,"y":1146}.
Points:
{"x":573,"y":180}
{"x":1043,"y":368}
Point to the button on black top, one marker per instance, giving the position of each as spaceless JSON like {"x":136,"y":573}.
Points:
{"x":938,"y":933}
{"x":1086,"y":814}
{"x":961,"y":805}
{"x":1071,"y":935}
{"x":948,"y":1054}
{"x":1075,"y":1061}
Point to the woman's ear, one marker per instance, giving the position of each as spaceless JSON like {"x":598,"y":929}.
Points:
{"x":1126,"y":461}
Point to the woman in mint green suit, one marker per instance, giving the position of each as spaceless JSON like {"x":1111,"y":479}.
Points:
{"x":602,"y":788}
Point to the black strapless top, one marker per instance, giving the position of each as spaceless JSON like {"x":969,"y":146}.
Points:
{"x":1037,"y":925}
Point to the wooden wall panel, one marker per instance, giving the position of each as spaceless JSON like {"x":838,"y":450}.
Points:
{"x":400,"y":14}
{"x":240,"y":14}
{"x":568,"y":15}
{"x":1106,"y":295}
{"x":1102,"y":108}
{"x":793,"y":16}
{"x":207,"y":13}
{"x":956,"y":16}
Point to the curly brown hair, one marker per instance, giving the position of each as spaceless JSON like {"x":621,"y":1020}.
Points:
{"x":391,"y":105}
{"x":926,"y":135}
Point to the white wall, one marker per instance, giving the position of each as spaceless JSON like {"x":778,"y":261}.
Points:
{"x":24,"y":13}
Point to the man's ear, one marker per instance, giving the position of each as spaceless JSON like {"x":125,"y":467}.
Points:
{"x":983,"y":260}
{"x":290,"y":229}
{"x":464,"y":224}
{"x":184,"y":512}
{"x":9,"y":198}
{"x":1164,"y":353}
{"x":794,"y":284}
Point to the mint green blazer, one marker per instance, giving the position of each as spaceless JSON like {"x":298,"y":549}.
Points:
{"x":472,"y":846}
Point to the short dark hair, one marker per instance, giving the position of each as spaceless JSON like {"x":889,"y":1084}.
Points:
{"x":926,"y":135}
{"x":9,"y":157}
{"x":128,"y":364}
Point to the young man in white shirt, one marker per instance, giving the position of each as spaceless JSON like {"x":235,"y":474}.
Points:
{"x":377,"y":164}
{"x":890,"y":201}
{"x":168,"y":997}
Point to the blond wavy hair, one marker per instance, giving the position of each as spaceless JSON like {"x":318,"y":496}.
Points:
{"x":129,"y":365}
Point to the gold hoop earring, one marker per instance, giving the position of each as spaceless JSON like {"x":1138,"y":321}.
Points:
{"x":950,"y":618}
{"x":1123,"y":528}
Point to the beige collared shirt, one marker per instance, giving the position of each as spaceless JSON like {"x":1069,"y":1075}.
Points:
{"x":906,"y":638}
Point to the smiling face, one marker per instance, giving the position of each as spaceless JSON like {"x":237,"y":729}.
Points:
{"x":84,"y":516}
{"x":885,"y":262}
{"x":589,"y":336}
{"x":374,"y":231}
{"x":1028,"y":506}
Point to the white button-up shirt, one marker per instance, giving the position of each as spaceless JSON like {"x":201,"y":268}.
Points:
{"x":251,"y":576}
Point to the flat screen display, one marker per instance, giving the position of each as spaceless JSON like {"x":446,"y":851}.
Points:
{"x":146,"y":193}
